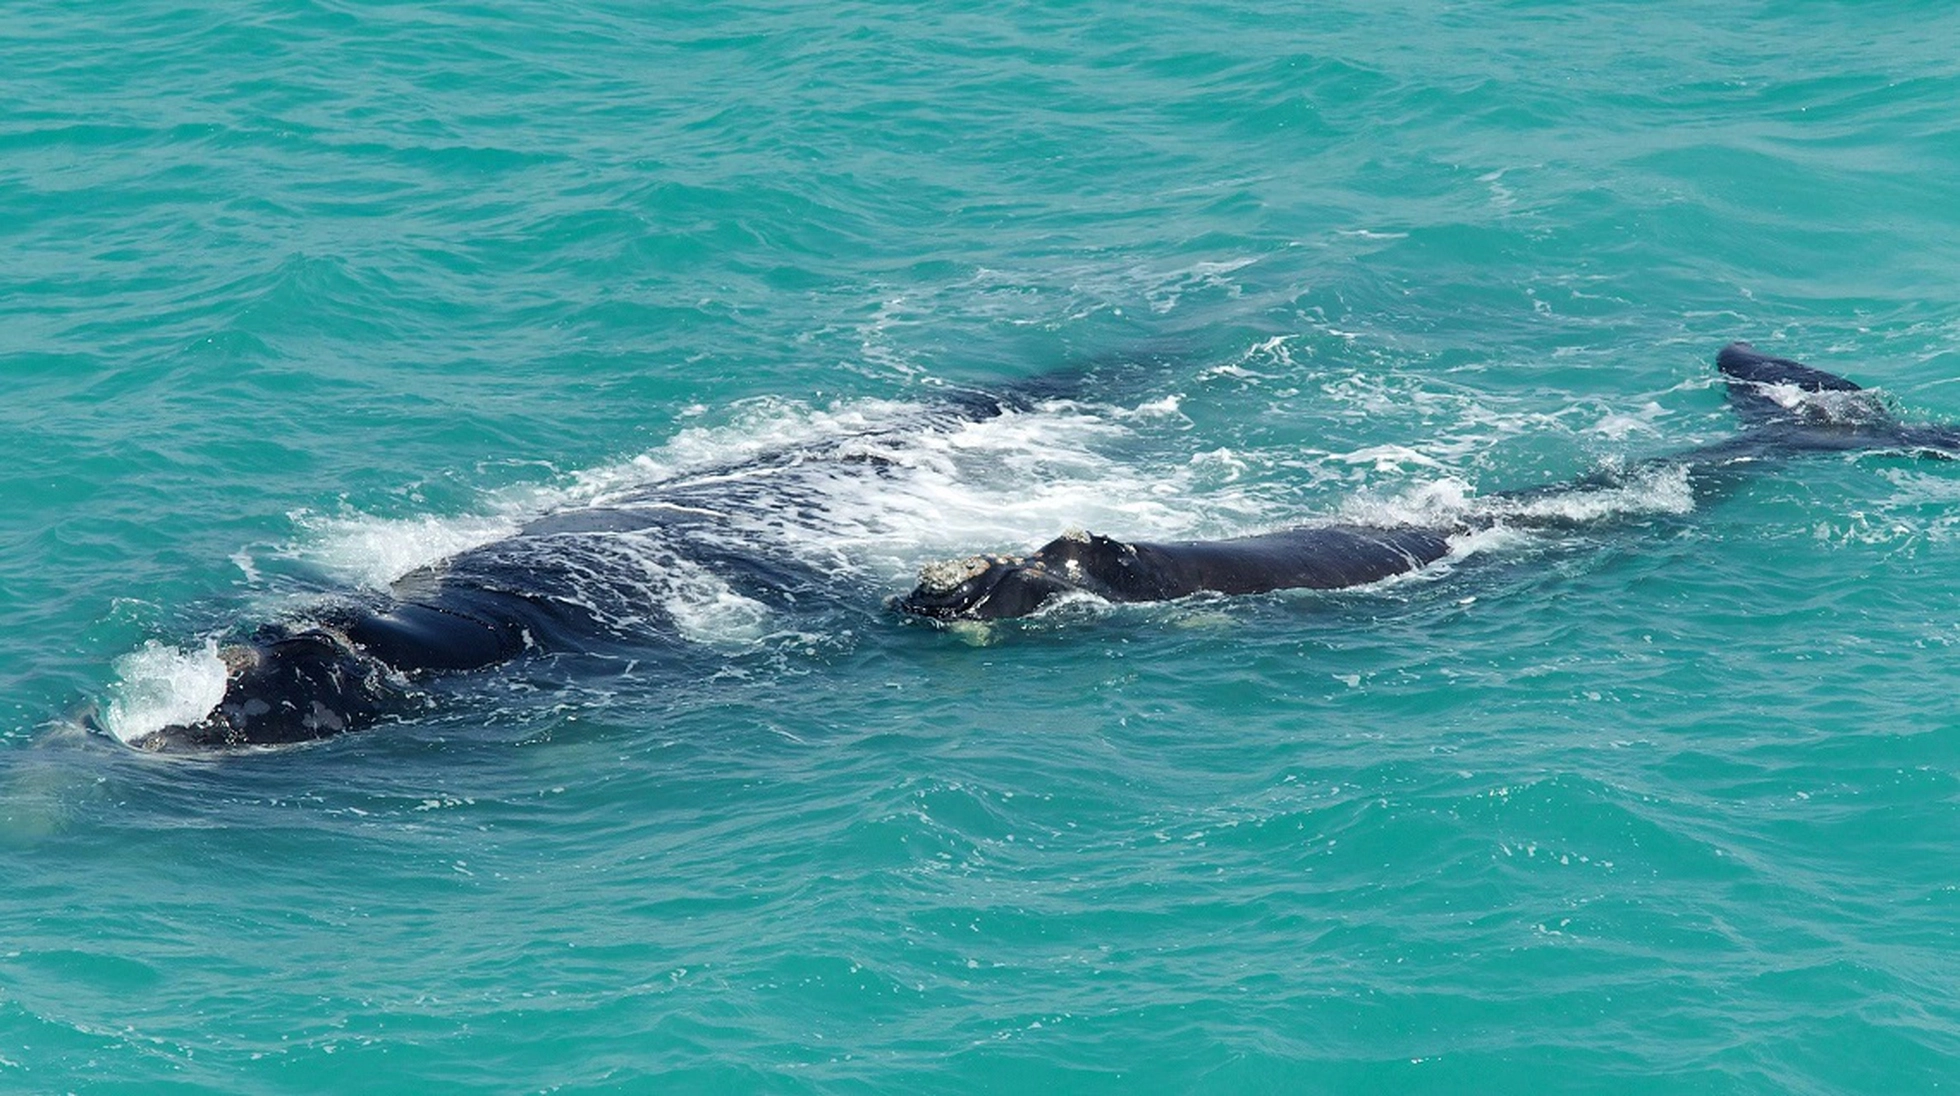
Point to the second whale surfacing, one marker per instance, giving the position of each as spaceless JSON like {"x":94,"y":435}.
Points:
{"x":1786,"y":407}
{"x":590,"y":577}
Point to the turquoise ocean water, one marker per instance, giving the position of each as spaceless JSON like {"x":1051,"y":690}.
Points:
{"x":299,"y":296}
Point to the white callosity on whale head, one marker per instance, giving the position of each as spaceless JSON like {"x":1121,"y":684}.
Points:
{"x":946,"y":576}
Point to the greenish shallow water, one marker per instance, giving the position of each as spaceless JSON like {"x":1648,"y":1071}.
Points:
{"x":298,"y":295}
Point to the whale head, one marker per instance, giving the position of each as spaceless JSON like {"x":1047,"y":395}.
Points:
{"x":983,"y":588}
{"x":286,"y":687}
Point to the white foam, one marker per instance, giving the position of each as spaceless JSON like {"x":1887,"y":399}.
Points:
{"x":1388,"y":458}
{"x":160,"y":686}
{"x":1433,"y":503}
{"x":1495,"y":540}
{"x":708,"y":611}
{"x":374,"y":552}
{"x":1664,"y":488}
{"x":1658,"y":489}
{"x":1274,"y":354}
{"x":756,"y":428}
{"x":1003,"y":482}
{"x":1832,"y":407}
{"x":1205,"y":274}
{"x":1617,"y":425}
{"x":1020,"y":480}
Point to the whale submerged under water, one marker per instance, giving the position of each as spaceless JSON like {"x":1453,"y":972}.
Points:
{"x":602,"y":576}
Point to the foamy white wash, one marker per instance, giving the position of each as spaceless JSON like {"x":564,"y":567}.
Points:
{"x":708,"y":611}
{"x":159,"y":686}
{"x":374,"y":552}
{"x":1002,"y":483}
{"x":1664,"y":488}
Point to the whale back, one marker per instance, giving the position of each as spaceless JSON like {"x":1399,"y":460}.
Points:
{"x":1753,"y":378}
{"x":1313,"y":557}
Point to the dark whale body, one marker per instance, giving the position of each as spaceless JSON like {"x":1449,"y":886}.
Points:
{"x":1324,"y":557}
{"x":565,"y":582}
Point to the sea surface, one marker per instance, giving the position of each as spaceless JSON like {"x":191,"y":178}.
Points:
{"x":296,"y":297}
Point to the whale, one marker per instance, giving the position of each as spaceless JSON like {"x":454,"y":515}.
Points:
{"x":595,"y":578}
{"x":612,"y":579}
{"x":1787,"y":408}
